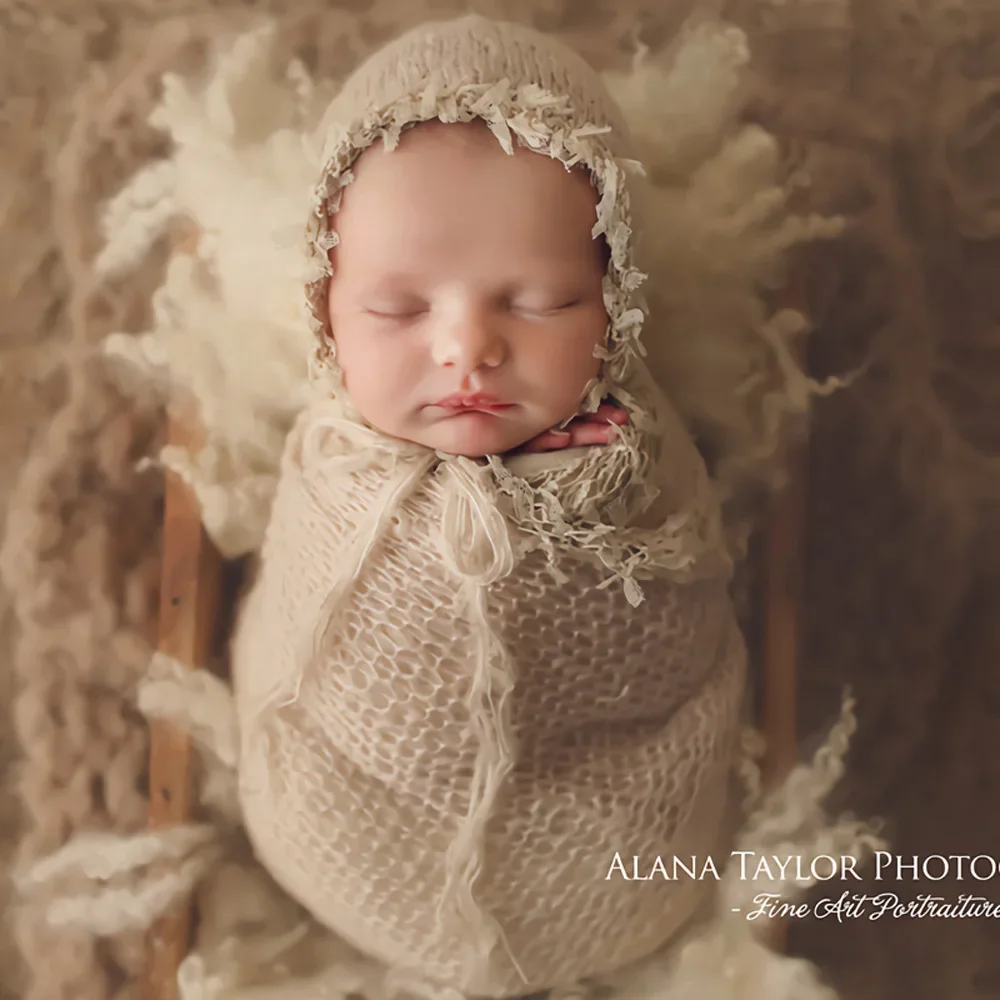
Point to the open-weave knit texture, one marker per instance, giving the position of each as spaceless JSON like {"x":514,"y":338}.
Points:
{"x":903,"y":549}
{"x":356,"y":794}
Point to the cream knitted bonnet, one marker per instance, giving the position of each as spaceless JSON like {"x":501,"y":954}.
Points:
{"x":531,"y":89}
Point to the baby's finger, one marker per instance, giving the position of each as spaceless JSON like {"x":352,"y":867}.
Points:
{"x":606,"y":413}
{"x":549,"y":441}
{"x":589,"y":434}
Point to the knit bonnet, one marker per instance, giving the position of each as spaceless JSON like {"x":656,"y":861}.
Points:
{"x":530,"y":89}
{"x":534,"y":91}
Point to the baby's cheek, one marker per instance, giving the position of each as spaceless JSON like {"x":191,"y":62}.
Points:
{"x":397,"y":376}
{"x":362,"y":359}
{"x":571,"y":361}
{"x":360,"y":368}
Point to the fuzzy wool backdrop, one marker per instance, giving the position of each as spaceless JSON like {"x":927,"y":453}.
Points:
{"x":894,"y":106}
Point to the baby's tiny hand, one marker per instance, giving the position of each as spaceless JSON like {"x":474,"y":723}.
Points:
{"x":590,"y":429}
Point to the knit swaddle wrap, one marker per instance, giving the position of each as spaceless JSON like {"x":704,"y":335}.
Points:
{"x":464,"y":686}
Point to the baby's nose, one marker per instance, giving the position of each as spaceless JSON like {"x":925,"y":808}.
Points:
{"x":467,"y":343}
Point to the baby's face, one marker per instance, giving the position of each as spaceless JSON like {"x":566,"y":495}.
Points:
{"x":464,"y":271}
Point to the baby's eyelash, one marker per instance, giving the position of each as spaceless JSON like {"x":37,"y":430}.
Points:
{"x":551,"y":309}
{"x":400,"y":315}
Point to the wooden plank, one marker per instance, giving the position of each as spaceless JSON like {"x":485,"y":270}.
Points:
{"x":781,"y":604}
{"x":191,"y":580}
{"x":784,"y":553}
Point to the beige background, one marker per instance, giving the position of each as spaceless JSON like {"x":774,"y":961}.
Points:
{"x":897,"y":104}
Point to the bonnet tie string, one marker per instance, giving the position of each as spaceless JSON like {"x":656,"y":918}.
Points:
{"x":476,"y":536}
{"x":476,"y":547}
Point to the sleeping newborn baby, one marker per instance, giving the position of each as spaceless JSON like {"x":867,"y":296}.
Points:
{"x":490,"y":645}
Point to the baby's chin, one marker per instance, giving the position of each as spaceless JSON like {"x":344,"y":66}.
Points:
{"x":474,"y":435}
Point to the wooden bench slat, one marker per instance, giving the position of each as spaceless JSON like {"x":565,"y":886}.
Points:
{"x":191,"y":585}
{"x":784,"y":534}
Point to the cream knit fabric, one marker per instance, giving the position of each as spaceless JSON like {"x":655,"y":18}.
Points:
{"x":462,"y":686}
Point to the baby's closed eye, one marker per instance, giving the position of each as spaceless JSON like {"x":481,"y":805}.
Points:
{"x":533,"y":305}
{"x":401,"y":309}
{"x":543,"y":305}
